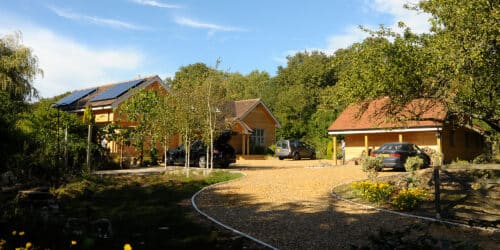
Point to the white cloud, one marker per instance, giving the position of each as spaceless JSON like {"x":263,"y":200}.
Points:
{"x":96,"y":20}
{"x":203,"y":25}
{"x":157,"y":4}
{"x":351,"y":35}
{"x":69,"y":65}
{"x":417,"y":21}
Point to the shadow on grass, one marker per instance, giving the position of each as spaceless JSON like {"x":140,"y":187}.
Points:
{"x":148,"y":212}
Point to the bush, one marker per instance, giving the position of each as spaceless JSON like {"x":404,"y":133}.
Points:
{"x":482,"y":159}
{"x":413,"y":163}
{"x":371,"y":165}
{"x":373,"y":191}
{"x":408,"y":199}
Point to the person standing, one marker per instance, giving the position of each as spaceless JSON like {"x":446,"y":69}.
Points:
{"x":342,"y":145}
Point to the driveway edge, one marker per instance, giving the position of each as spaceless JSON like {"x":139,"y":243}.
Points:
{"x":193,"y":203}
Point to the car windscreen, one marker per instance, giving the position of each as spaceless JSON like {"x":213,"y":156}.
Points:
{"x":390,"y":147}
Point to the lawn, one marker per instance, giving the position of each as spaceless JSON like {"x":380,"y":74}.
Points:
{"x":147,"y":212}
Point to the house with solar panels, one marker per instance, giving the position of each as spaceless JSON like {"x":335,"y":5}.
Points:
{"x":105,"y":101}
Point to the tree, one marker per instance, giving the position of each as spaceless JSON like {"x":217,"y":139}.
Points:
{"x":18,"y":69}
{"x":254,"y":85}
{"x":297,"y":88}
{"x":199,"y":92}
{"x":88,"y":119}
{"x":42,"y":129}
{"x":465,"y":49}
{"x":142,"y":108}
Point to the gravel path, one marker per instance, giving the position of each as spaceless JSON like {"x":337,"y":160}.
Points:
{"x":288,"y":204}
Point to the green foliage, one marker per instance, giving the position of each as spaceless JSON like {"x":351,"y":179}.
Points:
{"x":465,"y":57}
{"x":372,"y":165}
{"x":482,"y":159}
{"x":408,"y":199}
{"x":373,"y":191}
{"x":413,"y":163}
{"x":143,"y":109}
{"x":18,"y":68}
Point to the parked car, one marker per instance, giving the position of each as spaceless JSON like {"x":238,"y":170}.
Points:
{"x":294,"y":149}
{"x":223,"y":155}
{"x":396,"y":153}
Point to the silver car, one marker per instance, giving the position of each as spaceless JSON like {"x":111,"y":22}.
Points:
{"x":294,"y":149}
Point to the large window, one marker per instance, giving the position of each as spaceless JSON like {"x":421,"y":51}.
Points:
{"x":257,"y":137}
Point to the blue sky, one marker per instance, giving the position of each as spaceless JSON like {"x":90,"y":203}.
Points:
{"x":81,"y":44}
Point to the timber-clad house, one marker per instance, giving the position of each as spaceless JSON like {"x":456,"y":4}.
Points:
{"x":252,"y":123}
{"x":425,"y":122}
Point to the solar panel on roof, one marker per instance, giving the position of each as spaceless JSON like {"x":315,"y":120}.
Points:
{"x":116,"y":90}
{"x":75,"y":96}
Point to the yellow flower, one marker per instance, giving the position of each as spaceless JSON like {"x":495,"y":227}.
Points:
{"x":127,"y":247}
{"x":73,"y":242}
{"x":14,"y":232}
{"x":21,"y":233}
{"x":28,"y":245}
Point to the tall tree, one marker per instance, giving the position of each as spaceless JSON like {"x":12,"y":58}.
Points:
{"x":465,"y":48}
{"x":142,"y":109}
{"x":18,"y":69}
{"x":297,"y":88}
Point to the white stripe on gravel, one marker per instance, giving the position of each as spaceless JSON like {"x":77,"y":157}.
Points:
{"x":409,"y":215}
{"x":222,"y":224}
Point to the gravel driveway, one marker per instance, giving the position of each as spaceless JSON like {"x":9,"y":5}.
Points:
{"x":288,"y":204}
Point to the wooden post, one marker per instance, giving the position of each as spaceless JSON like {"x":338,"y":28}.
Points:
{"x":439,"y":151}
{"x":335,"y":148}
{"x":243,"y":144}
{"x":437,"y":192}
{"x":400,"y":137}
{"x":366,"y":145}
{"x":248,"y":145}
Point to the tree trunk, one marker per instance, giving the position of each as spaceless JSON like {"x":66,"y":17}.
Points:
{"x":89,"y":140}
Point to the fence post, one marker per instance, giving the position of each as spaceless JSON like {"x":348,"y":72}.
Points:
{"x":437,"y":192}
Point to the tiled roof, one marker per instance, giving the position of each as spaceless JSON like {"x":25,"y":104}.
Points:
{"x":375,"y":115}
{"x":238,"y":110}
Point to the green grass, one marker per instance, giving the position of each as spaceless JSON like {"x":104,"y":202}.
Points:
{"x":148,"y":212}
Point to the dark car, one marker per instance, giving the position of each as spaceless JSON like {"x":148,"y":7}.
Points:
{"x":294,"y":149}
{"x":223,"y":155}
{"x":396,"y":153}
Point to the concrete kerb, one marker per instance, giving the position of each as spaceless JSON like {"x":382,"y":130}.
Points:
{"x":335,"y":195}
{"x":193,"y":202}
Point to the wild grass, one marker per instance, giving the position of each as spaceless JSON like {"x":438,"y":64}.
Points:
{"x":147,"y":212}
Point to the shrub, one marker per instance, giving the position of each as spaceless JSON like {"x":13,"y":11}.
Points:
{"x":408,"y":199}
{"x":371,"y":165}
{"x":482,"y":159}
{"x":373,"y":191}
{"x":413,"y":163}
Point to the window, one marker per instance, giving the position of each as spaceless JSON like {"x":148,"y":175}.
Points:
{"x":257,"y":137}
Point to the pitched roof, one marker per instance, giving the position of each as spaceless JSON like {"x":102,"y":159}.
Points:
{"x":374,"y":115}
{"x":81,"y":103}
{"x":238,"y":110}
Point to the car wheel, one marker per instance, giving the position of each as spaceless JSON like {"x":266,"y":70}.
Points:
{"x":313,"y":156}
{"x":202,"y":162}
{"x":281,"y":158}
{"x":296,"y":156}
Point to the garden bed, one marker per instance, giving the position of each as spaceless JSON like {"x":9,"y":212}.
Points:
{"x":468,"y":196}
